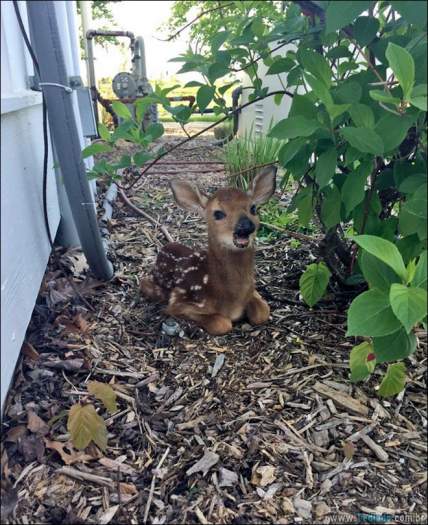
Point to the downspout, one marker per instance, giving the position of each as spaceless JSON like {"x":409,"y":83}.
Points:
{"x":47,"y":43}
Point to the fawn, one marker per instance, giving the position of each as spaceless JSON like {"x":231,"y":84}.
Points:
{"x":216,"y":286}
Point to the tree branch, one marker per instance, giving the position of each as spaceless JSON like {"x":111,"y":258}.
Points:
{"x":194,"y":20}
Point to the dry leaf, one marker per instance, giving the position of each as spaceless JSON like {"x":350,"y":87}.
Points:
{"x":349,"y":449}
{"x":36,"y":424}
{"x":9,"y":498}
{"x":81,"y":323}
{"x":104,"y":393}
{"x":208,"y":460}
{"x":68,"y":457}
{"x":263,"y":476}
{"x":29,"y":351}
{"x":228,"y":478}
{"x":16,"y":433}
{"x":107,"y":515}
{"x":85,"y":425}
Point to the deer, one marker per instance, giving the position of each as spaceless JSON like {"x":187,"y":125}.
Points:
{"x":214,"y":287}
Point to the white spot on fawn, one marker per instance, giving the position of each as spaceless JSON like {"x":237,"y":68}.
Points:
{"x":205,"y":279}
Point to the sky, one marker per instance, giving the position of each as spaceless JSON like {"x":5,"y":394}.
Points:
{"x":142,"y":18}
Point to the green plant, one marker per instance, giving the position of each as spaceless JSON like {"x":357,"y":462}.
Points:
{"x":275,"y":218}
{"x":223,"y":131}
{"x":242,"y":154}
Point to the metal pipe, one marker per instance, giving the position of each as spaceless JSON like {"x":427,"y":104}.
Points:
{"x":47,"y":43}
{"x":139,"y":59}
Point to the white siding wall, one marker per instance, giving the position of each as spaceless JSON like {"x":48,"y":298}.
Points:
{"x":24,"y":245}
{"x":259,"y":116}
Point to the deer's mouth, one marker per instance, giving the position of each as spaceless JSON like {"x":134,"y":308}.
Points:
{"x":241,"y":241}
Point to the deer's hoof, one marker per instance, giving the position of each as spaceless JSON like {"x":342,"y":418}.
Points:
{"x":258,"y":311}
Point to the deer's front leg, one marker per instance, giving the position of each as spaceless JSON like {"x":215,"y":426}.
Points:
{"x":257,"y":309}
{"x":214,"y":324}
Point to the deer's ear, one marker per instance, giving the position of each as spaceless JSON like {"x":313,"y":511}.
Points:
{"x":189,"y":197}
{"x":263,"y":185}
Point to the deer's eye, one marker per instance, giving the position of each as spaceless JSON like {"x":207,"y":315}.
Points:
{"x":219,"y":215}
{"x":253,"y":209}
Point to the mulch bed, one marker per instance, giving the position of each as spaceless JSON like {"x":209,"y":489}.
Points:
{"x":259,"y":426}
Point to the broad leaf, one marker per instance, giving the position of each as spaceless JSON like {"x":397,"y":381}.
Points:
{"x":362,"y":115}
{"x":363,"y":139}
{"x":304,"y":203}
{"x":293,"y":127}
{"x":383,"y":96}
{"x":340,"y":13}
{"x":142,"y":157}
{"x":313,"y":282}
{"x":121,"y":110}
{"x":103,"y":132}
{"x":330,"y":207}
{"x":420,"y":278}
{"x":383,"y":250}
{"x":370,"y":314}
{"x":281,"y":65}
{"x":326,"y":167}
{"x":353,"y":190}
{"x":316,"y":65}
{"x":95,"y":148}
{"x":290,"y":150}
{"x":365,"y":29}
{"x":154,"y":130}
{"x":216,"y":71}
{"x":360,"y":366}
{"x":393,"y":347}
{"x":412,"y":183}
{"x":408,"y":304}
{"x":393,"y":130}
{"x":394,"y":380}
{"x":204,"y":96}
{"x":413,"y":12}
{"x":218,"y":40}
{"x":319,"y":88}
{"x":104,"y":393}
{"x":376,"y":273}
{"x":85,"y":425}
{"x":402,"y":64}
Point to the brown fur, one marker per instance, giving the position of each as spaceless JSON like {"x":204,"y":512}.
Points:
{"x":213,"y":287}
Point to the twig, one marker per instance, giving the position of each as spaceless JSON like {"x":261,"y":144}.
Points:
{"x":144,"y":214}
{"x":222,"y":6}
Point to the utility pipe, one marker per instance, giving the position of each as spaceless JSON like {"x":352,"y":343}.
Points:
{"x":47,"y":44}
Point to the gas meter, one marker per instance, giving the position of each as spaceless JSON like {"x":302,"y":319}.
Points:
{"x":124,"y":85}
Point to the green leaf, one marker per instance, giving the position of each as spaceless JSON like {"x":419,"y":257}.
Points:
{"x":376,"y":273}
{"x":383,"y":96}
{"x":413,"y":214}
{"x":398,"y":345}
{"x":420,"y":278}
{"x":414,"y":13}
{"x":216,"y":71}
{"x":293,"y":127}
{"x":204,"y":96}
{"x":419,"y":102}
{"x":316,"y":65}
{"x":141,"y":158}
{"x":258,"y":27}
{"x":349,"y":92}
{"x":95,"y":148}
{"x":353,"y":189}
{"x":408,"y":304}
{"x":218,"y":40}
{"x":103,"y":132}
{"x":326,"y":167}
{"x":121,"y":110}
{"x":319,"y":88}
{"x":370,"y":314}
{"x":290,"y":150}
{"x":141,"y":107}
{"x":412,"y":183}
{"x":383,"y":250}
{"x":104,"y":393}
{"x":394,"y":380}
{"x":362,"y":116}
{"x":340,"y":13}
{"x":85,"y":425}
{"x":303,"y":106}
{"x":154,"y":130}
{"x":313,"y":282}
{"x":402,"y":64}
{"x":393,"y":130}
{"x":365,"y":29}
{"x":360,"y":367}
{"x":304,"y":203}
{"x":363,"y":139}
{"x":330,"y":207}
{"x":281,"y":65}
{"x":339,"y":52}
{"x":334,"y":110}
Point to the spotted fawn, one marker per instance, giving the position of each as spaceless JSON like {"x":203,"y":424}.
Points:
{"x":216,"y":286}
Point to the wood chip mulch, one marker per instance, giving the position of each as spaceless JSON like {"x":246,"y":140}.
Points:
{"x":259,"y":426}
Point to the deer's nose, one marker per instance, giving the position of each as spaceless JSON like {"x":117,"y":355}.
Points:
{"x":244,"y":226}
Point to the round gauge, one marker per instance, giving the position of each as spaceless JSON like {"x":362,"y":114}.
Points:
{"x":124,"y":85}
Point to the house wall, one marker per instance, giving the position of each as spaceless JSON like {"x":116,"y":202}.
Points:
{"x":24,"y":244}
{"x":258,"y":117}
